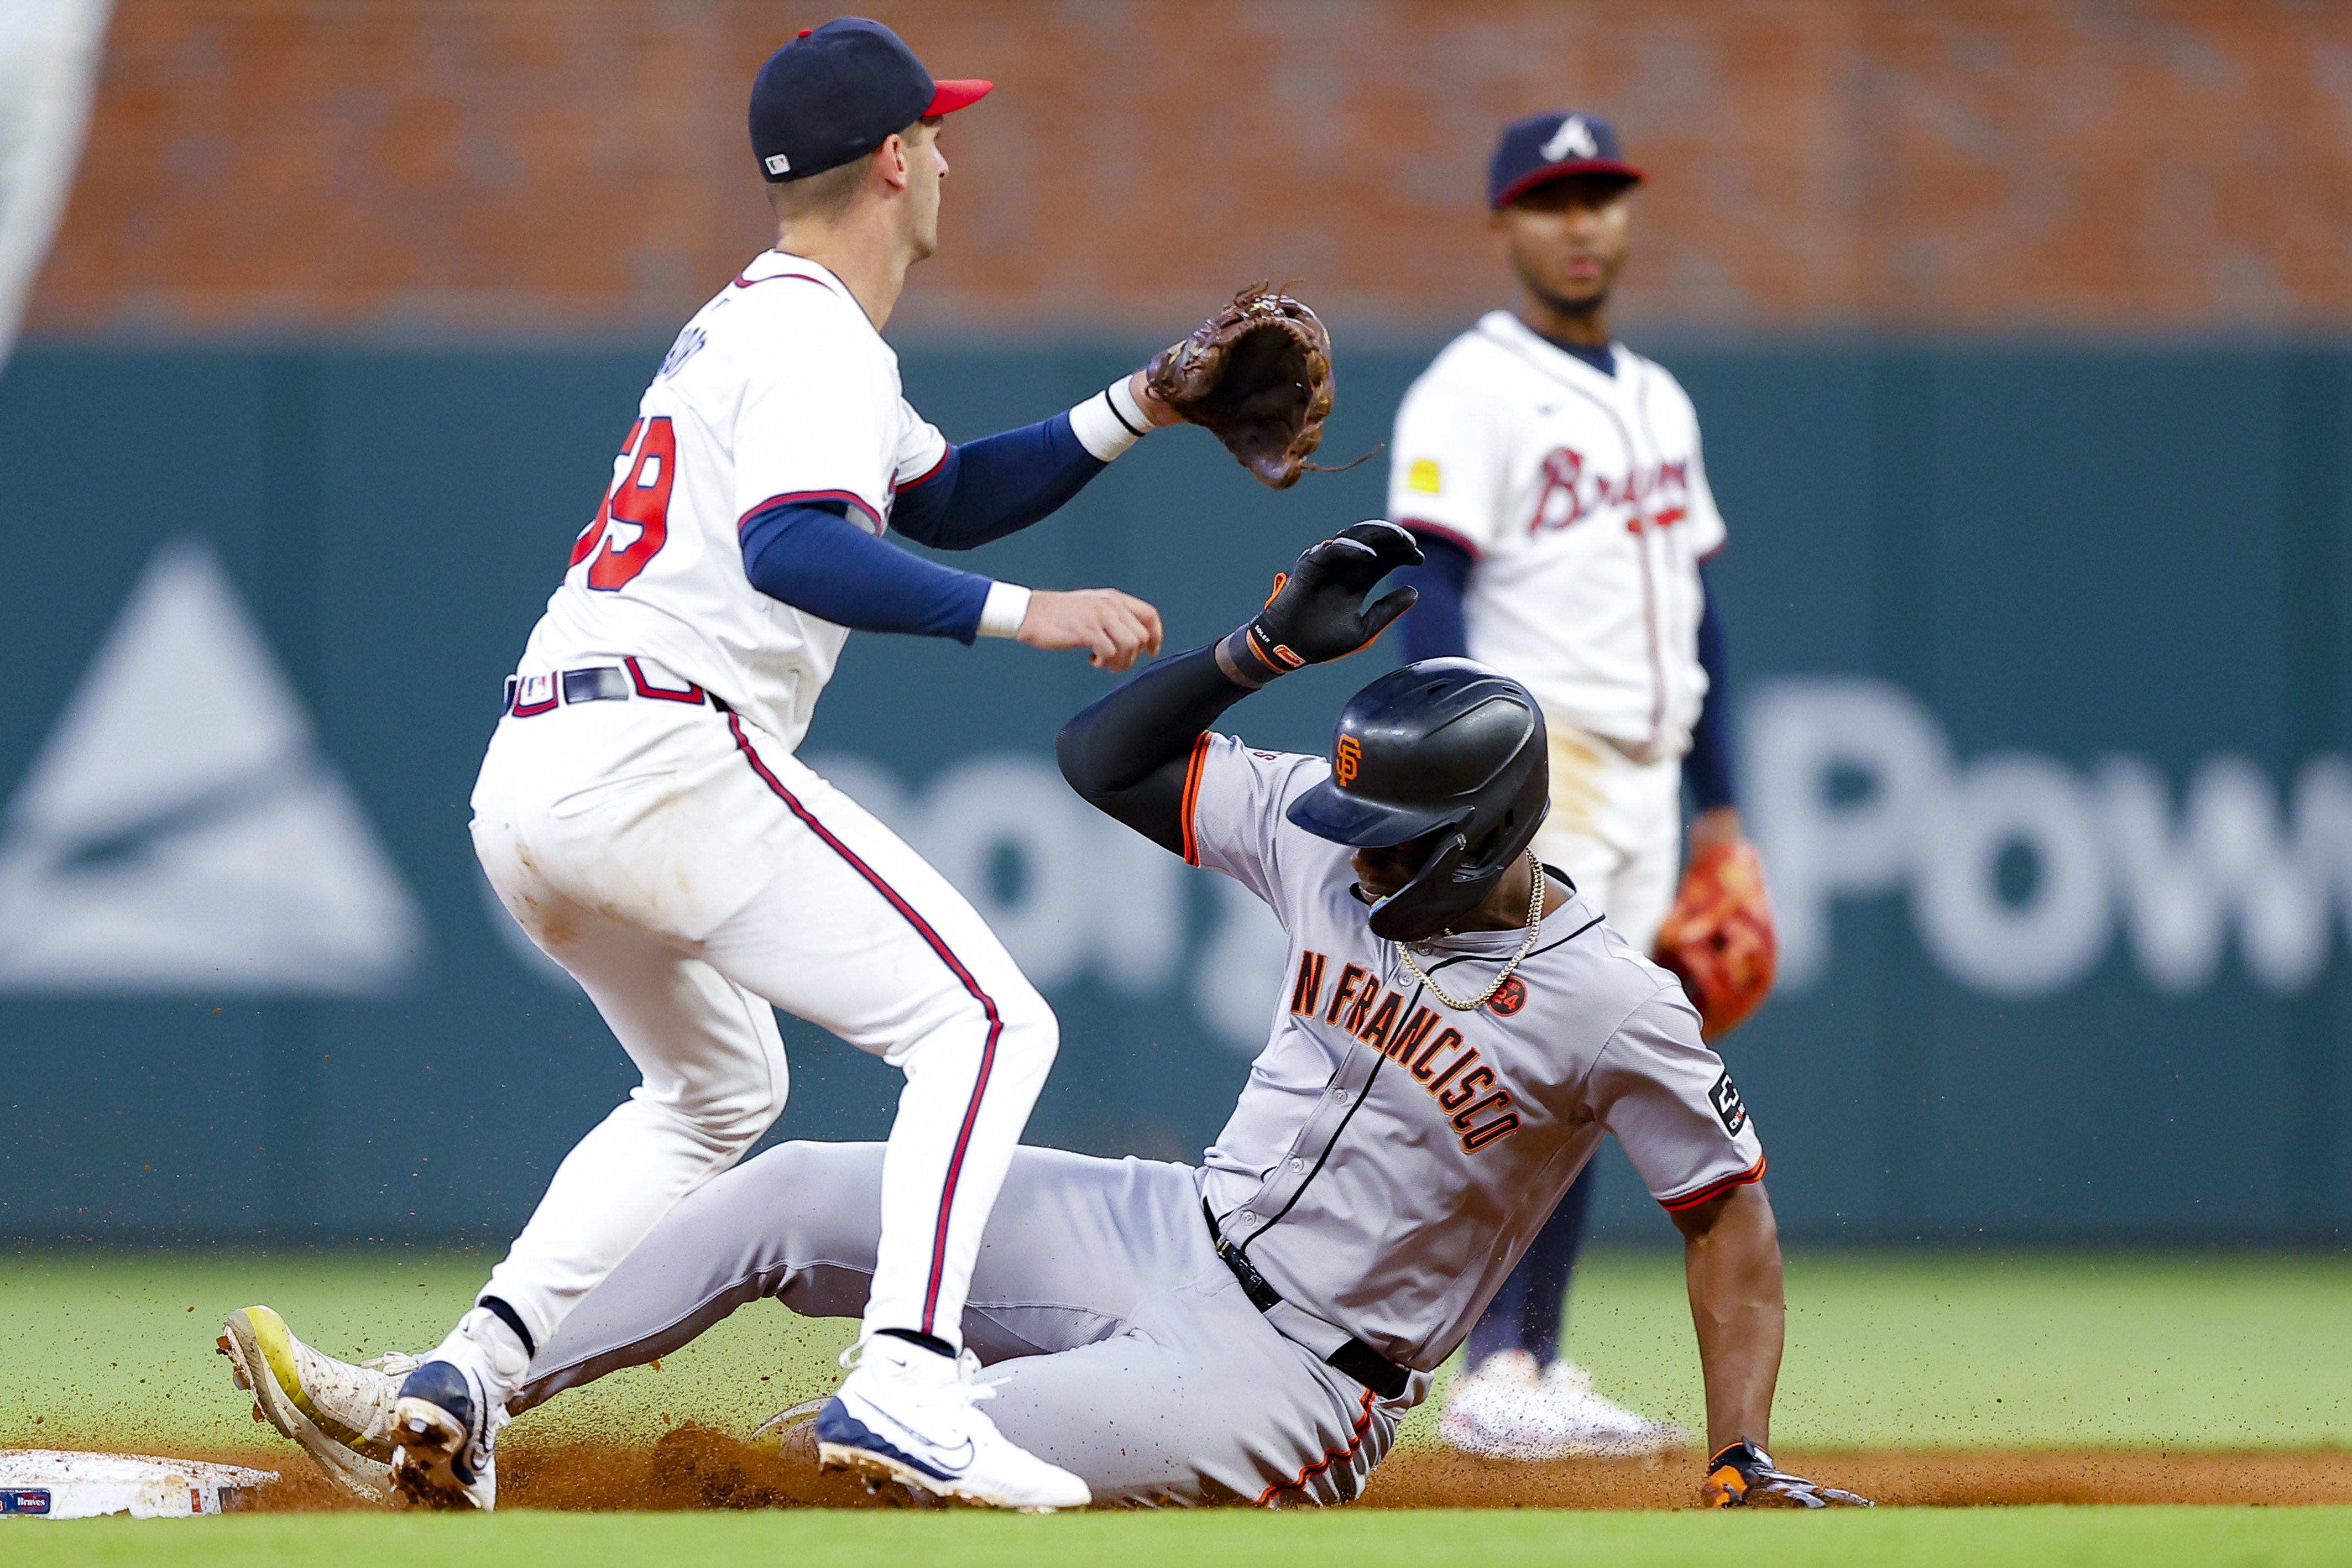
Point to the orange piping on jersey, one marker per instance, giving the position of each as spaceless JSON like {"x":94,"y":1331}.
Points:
{"x":1754,"y":1173}
{"x":1331,"y":1456}
{"x":1192,"y":794}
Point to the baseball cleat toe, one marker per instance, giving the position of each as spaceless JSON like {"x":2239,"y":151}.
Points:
{"x":444,"y":1458}
{"x":338,"y":1412}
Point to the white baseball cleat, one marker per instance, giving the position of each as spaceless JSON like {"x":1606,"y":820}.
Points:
{"x":1599,"y":1426}
{"x":907,"y":1414}
{"x":446,"y":1422}
{"x":340,"y":1413}
{"x":1504,"y":1409}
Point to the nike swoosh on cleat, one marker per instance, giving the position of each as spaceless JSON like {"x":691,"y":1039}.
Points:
{"x":848,"y":1431}
{"x":927,"y":1440}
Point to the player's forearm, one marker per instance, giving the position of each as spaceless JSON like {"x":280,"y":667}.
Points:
{"x":1732,"y":1259}
{"x":816,"y":560}
{"x":997,"y":485}
{"x":1125,"y":752}
{"x":1708,"y":766}
{"x":1003,"y":483}
{"x":1437,"y":627}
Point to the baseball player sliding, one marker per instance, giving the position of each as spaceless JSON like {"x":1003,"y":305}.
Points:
{"x":641,"y":814}
{"x":1553,"y":480}
{"x":1457,"y":1029}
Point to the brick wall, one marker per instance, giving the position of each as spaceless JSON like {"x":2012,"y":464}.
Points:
{"x":533,"y":166}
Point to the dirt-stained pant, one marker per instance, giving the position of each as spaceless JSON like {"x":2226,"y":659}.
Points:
{"x":1616,"y":828}
{"x":1119,"y":1347}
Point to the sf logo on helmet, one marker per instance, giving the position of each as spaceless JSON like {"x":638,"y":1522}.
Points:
{"x":1346,"y":759}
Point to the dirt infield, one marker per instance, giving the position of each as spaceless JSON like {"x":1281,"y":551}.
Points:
{"x":697,"y":1467}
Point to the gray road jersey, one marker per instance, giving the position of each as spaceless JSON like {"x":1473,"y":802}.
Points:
{"x":1391,"y":1159}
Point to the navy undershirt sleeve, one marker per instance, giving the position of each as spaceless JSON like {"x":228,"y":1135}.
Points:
{"x":997,"y":485}
{"x":1434,"y":627}
{"x":811,"y":556}
{"x":1708,"y":766}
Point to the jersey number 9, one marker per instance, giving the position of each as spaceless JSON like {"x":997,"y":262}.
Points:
{"x":640,"y":498}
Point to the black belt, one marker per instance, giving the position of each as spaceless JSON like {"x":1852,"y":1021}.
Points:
{"x":528,"y":699}
{"x":1357,"y":1359}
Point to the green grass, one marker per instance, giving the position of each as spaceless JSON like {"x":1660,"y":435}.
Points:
{"x":1885,"y":1350}
{"x":1916,"y":1538}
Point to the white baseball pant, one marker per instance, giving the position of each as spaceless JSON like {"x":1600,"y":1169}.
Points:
{"x":688,"y":871}
{"x":1616,"y":828}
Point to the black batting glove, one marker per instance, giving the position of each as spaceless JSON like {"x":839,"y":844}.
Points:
{"x":1743,"y":1475}
{"x":1316,"y":612}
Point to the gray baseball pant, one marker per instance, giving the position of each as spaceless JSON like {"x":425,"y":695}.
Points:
{"x":1120,"y":1347}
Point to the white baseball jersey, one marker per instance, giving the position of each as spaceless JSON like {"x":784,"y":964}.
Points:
{"x":777,"y":390}
{"x":1584,"y":501}
{"x":1391,"y":1159}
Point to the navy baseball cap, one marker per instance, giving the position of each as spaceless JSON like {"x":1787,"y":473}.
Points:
{"x":1541,"y":148}
{"x":838,"y":92}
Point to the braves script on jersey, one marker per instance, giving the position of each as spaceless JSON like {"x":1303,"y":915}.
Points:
{"x":1584,"y":500}
{"x":1391,"y":1159}
{"x":777,"y":390}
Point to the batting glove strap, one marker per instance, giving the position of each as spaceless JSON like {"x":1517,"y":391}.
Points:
{"x":1253,"y":655}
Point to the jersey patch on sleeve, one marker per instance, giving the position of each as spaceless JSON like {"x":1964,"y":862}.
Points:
{"x":1422,"y":476}
{"x":1730,"y":1108}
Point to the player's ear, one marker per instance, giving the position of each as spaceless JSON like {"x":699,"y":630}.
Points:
{"x":891,"y":160}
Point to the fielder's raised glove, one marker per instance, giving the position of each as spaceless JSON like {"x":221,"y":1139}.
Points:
{"x":1257,"y":375}
{"x":1718,"y":938}
{"x":1317,"y":612}
{"x":1743,"y":1475}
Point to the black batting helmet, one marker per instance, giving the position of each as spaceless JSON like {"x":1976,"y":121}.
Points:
{"x":1447,"y":749}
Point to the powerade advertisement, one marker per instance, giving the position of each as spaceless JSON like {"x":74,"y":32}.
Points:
{"x":2042,"y":685}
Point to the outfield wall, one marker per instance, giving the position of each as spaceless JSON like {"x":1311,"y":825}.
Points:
{"x":2043,"y":666}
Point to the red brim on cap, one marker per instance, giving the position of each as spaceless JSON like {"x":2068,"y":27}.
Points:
{"x":1550,"y":171}
{"x":951,"y":96}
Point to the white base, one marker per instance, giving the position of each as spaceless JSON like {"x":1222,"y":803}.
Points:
{"x":47,"y":1483}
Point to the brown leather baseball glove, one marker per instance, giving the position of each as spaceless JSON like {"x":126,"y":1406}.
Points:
{"x":1718,"y":938}
{"x":1257,"y":375}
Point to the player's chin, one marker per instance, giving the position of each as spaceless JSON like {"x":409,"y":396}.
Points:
{"x":1579,"y":293}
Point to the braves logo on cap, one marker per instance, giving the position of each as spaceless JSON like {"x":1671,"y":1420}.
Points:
{"x":1573,"y":136}
{"x":1554,"y":145}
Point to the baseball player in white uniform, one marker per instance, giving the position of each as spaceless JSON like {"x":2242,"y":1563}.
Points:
{"x":1554,"y":479}
{"x":1456,"y":1031}
{"x":641,"y":814}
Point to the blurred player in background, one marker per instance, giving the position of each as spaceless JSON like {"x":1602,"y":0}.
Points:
{"x":1553,"y":480}
{"x":49,"y":55}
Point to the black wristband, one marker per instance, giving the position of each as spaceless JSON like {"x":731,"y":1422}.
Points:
{"x":1249,"y":657}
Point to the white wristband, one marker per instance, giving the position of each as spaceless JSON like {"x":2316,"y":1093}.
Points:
{"x":1007,"y":606}
{"x":1110,"y":421}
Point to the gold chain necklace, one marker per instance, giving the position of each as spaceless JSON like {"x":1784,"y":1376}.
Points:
{"x":1535,"y":930}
